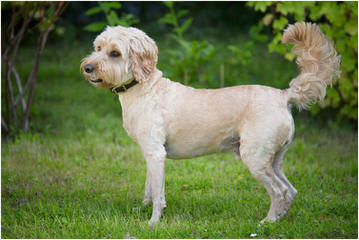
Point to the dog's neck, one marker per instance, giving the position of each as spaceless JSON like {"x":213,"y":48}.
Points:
{"x":141,"y":89}
{"x":124,"y":87}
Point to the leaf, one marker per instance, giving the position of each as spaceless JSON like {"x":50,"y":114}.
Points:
{"x":112,"y":18}
{"x":315,"y":12}
{"x":333,"y":95}
{"x":279,"y":24}
{"x":95,"y":27}
{"x":255,"y":33}
{"x":296,"y":8}
{"x":351,"y":27}
{"x":181,"y":13}
{"x":60,"y":31}
{"x":249,"y":45}
{"x":168,"y":18}
{"x":186,"y":25}
{"x":315,"y":109}
{"x":349,"y":63}
{"x":283,"y":8}
{"x":233,"y":48}
{"x":299,"y":10}
{"x":50,"y":12}
{"x":355,"y":78}
{"x":276,"y":46}
{"x":168,"y":4}
{"x":93,"y":11}
{"x":185,"y":44}
{"x":104,"y":7}
{"x":115,"y":5}
{"x":127,"y":20}
{"x":330,"y":9}
{"x":262,"y":6}
{"x":290,"y":56}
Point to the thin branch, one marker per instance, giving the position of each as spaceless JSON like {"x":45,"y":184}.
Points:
{"x":10,"y":62}
{"x":15,"y":14}
{"x":7,"y":115}
{"x":18,"y":82}
{"x":19,"y":38}
{"x":13,"y":109}
{"x":23,"y":16}
{"x":28,"y":81}
{"x":22,"y":94}
{"x":3,"y":125}
{"x":33,"y":76}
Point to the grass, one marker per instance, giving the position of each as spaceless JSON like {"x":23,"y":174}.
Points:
{"x":78,"y":174}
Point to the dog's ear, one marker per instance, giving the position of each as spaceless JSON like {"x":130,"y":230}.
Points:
{"x":143,"y":57}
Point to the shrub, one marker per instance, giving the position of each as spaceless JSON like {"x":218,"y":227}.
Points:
{"x":339,"y":21}
{"x":27,"y":17}
{"x":112,"y":19}
{"x":187,"y":62}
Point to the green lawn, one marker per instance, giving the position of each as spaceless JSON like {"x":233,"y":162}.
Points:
{"x":78,"y":175}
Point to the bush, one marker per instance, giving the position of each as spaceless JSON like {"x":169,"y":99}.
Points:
{"x":112,"y":19}
{"x":339,"y":21}
{"x":188,"y":61}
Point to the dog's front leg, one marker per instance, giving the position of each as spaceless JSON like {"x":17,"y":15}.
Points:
{"x":155,"y":161}
{"x":148,"y":190}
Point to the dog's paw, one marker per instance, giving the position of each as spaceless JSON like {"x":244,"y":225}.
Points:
{"x":153,"y":222}
{"x":267,"y":219}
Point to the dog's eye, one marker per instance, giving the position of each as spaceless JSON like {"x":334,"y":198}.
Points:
{"x":115,"y":54}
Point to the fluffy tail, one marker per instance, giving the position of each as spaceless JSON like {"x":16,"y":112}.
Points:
{"x":318,"y":60}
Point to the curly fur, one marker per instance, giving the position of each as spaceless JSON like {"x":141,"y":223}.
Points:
{"x":170,"y":120}
{"x":318,"y":60}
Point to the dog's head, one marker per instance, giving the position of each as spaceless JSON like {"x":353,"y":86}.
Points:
{"x":120,"y":54}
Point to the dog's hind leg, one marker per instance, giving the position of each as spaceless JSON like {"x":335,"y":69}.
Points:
{"x":259,"y":163}
{"x":278,"y":169}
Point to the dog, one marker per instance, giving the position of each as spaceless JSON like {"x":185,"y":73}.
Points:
{"x":170,"y":120}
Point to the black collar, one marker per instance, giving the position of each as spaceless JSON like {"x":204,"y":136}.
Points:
{"x":124,"y":88}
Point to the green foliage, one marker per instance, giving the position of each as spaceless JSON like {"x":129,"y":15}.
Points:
{"x":172,"y":18}
{"x":189,"y":61}
{"x":339,"y":21}
{"x":112,"y":19}
{"x":242,"y":56}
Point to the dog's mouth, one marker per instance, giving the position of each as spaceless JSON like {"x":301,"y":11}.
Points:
{"x":96,"y":80}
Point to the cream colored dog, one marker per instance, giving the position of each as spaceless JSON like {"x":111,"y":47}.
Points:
{"x":168,"y":119}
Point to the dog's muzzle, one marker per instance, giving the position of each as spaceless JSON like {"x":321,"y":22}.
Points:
{"x":89,"y":68}
{"x":96,"y":81}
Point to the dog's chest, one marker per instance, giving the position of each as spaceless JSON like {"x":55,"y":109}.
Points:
{"x":142,"y":121}
{"x":132,"y":124}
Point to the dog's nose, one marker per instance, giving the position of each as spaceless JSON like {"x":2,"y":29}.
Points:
{"x":89,"y":68}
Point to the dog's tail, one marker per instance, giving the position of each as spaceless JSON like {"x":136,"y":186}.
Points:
{"x":318,"y":60}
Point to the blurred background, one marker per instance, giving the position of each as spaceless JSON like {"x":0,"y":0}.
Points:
{"x":63,"y":141}
{"x":208,"y":45}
